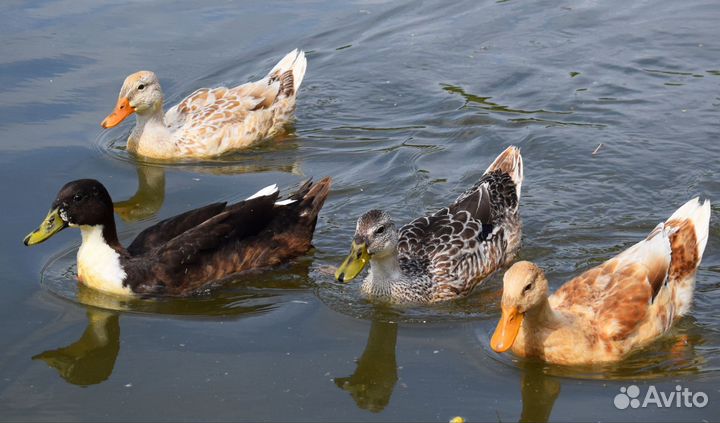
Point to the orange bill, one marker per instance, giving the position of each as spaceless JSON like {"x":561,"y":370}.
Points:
{"x":122,"y":111}
{"x":507,"y":329}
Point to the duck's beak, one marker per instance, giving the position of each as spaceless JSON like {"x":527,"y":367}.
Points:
{"x":507,"y":329}
{"x":122,"y":111}
{"x":354,"y":263}
{"x":52,"y":224}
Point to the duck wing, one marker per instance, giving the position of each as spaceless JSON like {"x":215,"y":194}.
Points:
{"x":256,"y":233}
{"x":200,"y":254}
{"x":211,"y":121}
{"x":462,"y":244}
{"x":288,"y":235}
{"x":168,"y":229}
{"x":455,"y":250}
{"x":652,"y":281}
{"x":212,"y":107}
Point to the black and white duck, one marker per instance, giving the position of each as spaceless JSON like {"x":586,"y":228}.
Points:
{"x":184,"y":254}
{"x":444,"y":255}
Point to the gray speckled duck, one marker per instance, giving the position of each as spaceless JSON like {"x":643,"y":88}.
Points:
{"x":444,"y":255}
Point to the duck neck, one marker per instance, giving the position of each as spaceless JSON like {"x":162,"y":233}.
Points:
{"x":384,"y":271}
{"x":150,"y":125}
{"x":542,"y":315}
{"x":100,"y":259}
{"x":107,"y":231}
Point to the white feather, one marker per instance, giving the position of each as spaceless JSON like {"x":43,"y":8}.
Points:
{"x":268,"y":190}
{"x":285,"y":202}
{"x":99,"y":264}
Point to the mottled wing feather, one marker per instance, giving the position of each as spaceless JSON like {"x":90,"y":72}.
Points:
{"x":452,"y":249}
{"x":459,"y":246}
{"x":496,"y":191}
{"x":620,"y":292}
{"x":211,"y":120}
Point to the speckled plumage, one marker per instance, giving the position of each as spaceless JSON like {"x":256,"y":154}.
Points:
{"x":213,"y":121}
{"x":445,"y":255}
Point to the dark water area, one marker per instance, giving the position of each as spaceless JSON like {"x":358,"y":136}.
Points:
{"x":614,"y":105}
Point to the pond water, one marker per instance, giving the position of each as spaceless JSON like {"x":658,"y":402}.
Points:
{"x":615,"y":106}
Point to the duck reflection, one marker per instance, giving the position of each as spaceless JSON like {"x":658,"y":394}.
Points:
{"x":150,"y":194}
{"x":539,"y":392}
{"x":89,"y":360}
{"x":372,"y":383}
{"x":148,"y":198}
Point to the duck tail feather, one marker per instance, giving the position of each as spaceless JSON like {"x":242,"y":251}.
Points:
{"x":510,"y":162}
{"x":290,"y":71}
{"x":688,"y":229}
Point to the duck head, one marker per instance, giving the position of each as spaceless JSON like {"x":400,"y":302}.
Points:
{"x":84,"y":202}
{"x":525,"y":288}
{"x":141,"y":94}
{"x":375,"y":237}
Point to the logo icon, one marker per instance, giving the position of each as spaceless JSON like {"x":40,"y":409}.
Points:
{"x":627,"y":397}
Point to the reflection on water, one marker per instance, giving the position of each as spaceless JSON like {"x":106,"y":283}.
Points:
{"x":487,"y":106}
{"x":150,"y":194}
{"x":375,"y":116}
{"x":149,"y":197}
{"x":491,"y":106}
{"x":541,"y":382}
{"x":539,"y":392}
{"x":372,"y":383}
{"x":89,"y":360}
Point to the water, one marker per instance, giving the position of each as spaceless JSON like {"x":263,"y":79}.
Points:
{"x":404,"y":104}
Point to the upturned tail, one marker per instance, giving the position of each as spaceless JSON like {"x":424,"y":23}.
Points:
{"x":687,"y":230}
{"x":290,"y":71}
{"x":510,"y":162}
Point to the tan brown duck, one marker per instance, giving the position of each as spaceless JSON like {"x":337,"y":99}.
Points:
{"x":613,"y":309}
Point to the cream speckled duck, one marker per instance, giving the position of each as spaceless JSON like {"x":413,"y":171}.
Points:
{"x":613,"y":309}
{"x":187,"y":253}
{"x":209,"y":122}
{"x":445,"y":255}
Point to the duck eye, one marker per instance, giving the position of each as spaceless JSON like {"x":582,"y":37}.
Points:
{"x":77,"y":197}
{"x":527,"y":288}
{"x":380,"y":230}
{"x":141,"y":87}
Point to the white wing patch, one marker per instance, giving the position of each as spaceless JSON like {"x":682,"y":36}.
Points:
{"x":268,"y":190}
{"x":285,"y":202}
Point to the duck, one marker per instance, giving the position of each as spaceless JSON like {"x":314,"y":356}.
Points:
{"x":444,"y":255}
{"x":613,"y":309}
{"x":211,"y":121}
{"x":187,"y":254}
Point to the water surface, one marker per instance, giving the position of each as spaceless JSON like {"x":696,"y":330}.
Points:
{"x":614,"y":104}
